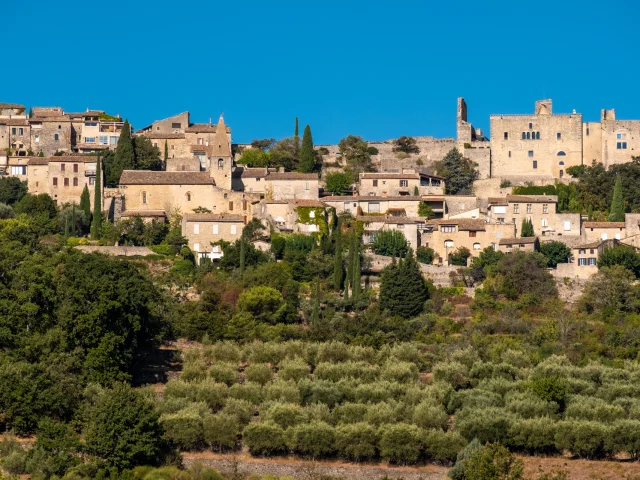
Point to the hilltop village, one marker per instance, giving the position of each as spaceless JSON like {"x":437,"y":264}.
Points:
{"x":215,"y":187}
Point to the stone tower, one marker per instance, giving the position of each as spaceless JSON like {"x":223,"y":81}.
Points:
{"x":464,"y":130}
{"x":220,"y":161}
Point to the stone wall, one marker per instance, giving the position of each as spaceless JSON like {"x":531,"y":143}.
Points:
{"x":51,"y":137}
{"x":438,"y":274}
{"x":116,"y":251}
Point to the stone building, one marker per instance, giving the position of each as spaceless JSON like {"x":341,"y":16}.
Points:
{"x":396,"y":184}
{"x":203,"y":229}
{"x":406,"y":205}
{"x":12,"y":110}
{"x":525,"y":244}
{"x":95,"y":131}
{"x":408,"y":226}
{"x":284,"y":215}
{"x":610,"y":141}
{"x":15,"y":136}
{"x":51,"y":131}
{"x":598,"y":231}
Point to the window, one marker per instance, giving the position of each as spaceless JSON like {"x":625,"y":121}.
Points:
{"x":233,"y":229}
{"x":55,"y":181}
{"x":509,"y":153}
{"x":621,"y":145}
{"x":59,"y":127}
{"x":75,"y":181}
{"x":374,"y":207}
{"x":172,"y":147}
{"x":499,"y":209}
{"x":476,"y":246}
{"x":567,"y":226}
{"x":560,"y":162}
{"x":196,"y":229}
{"x":56,"y":137}
{"x":544,"y":222}
{"x":226,"y":195}
{"x":66,"y":182}
{"x":176,"y":125}
{"x":447,"y":228}
{"x":21,"y":131}
{"x":36,"y":138}
{"x":506,"y":135}
{"x":113,"y":140}
{"x":400,"y":226}
{"x":13,"y":131}
{"x":244,"y":207}
{"x":591,"y":251}
{"x":582,"y":262}
{"x":619,"y":136}
{"x":89,"y":139}
{"x":581,"y":251}
{"x":531,"y":153}
{"x":530,"y":125}
{"x":587,"y":131}
{"x":230,"y":206}
{"x":516,"y":207}
{"x":404,"y":183}
{"x":561,"y":173}
{"x":92,"y":180}
{"x":372,"y":194}
{"x":75,"y":168}
{"x":103,"y":140}
{"x":201,"y":141}
{"x":524,"y":136}
{"x":196,"y":247}
{"x":529,"y":207}
{"x":558,"y":136}
{"x":220,"y":164}
{"x":144,"y":197}
{"x":375,"y":183}
{"x":604,"y":236}
{"x":535,"y":164}
{"x":306,"y":186}
{"x":448,"y":244}
{"x":215,"y":229}
{"x":188,"y":195}
{"x":501,"y":219}
{"x":537,"y":135}
{"x":472,"y":234}
{"x":529,"y":135}
{"x":18,"y":170}
{"x":62,"y":167}
{"x":592,"y":261}
{"x":617,"y":236}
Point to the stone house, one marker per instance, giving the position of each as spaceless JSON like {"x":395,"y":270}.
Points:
{"x":406,"y":225}
{"x":401,"y":205}
{"x":50,"y":132}
{"x":15,"y":136}
{"x":525,"y":244}
{"x":610,"y":141}
{"x":66,"y":177}
{"x":597,"y":231}
{"x":542,"y":210}
{"x":171,"y":131}
{"x":203,"y":229}
{"x":94,"y":131}
{"x":253,"y":180}
{"x":584,"y":261}
{"x":396,"y":184}
{"x":285,"y":217}
{"x":12,"y":110}
{"x":291,"y":186}
{"x":445,"y":236}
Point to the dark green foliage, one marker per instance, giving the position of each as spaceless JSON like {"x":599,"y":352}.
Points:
{"x":338,"y":267}
{"x":255,"y":158}
{"x":264,"y":438}
{"x":307,"y":162}
{"x":406,"y":145}
{"x":12,"y":190}
{"x":96,"y":222}
{"x":555,"y":253}
{"x":403,"y":290}
{"x":37,"y":205}
{"x":166,"y":153}
{"x":617,"y":203}
{"x":285,"y":153}
{"x":521,"y":273}
{"x":264,"y":144}
{"x":252,"y":231}
{"x":231,"y":255}
{"x":493,"y":462}
{"x":6,"y":212}
{"x":485,"y":263}
{"x":458,"y":172}
{"x":425,"y":255}
{"x":356,"y":151}
{"x":527,"y":228}
{"x":124,"y":158}
{"x":315,"y":439}
{"x":623,"y":255}
{"x":400,"y":443}
{"x":357,"y":441}
{"x":424,"y":209}
{"x":146,"y":155}
{"x":390,"y":243}
{"x":550,"y":389}
{"x":460,"y":256}
{"x":121,"y":428}
{"x":338,"y":183}
{"x":611,"y":291}
{"x":457,"y":472}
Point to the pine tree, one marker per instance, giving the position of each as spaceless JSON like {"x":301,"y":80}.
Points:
{"x":403,"y":290}
{"x":307,"y":155}
{"x":124,"y":155}
{"x":30,"y":112}
{"x":617,"y":204}
{"x":527,"y":228}
{"x":96,"y":224}
{"x":85,"y":205}
{"x":338,"y":269}
{"x":166,"y":154}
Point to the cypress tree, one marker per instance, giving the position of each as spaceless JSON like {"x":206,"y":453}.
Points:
{"x":124,"y":155}
{"x":315,"y":312}
{"x":166,"y":154}
{"x":307,"y":155}
{"x":403,"y":290}
{"x":73,"y":220}
{"x":85,"y":205}
{"x":338,"y":269}
{"x":296,"y":139}
{"x":357,"y":274}
{"x":242,"y":255}
{"x":617,"y":204}
{"x":527,"y":228}
{"x":96,"y":224}
{"x":66,"y":224}
{"x":416,"y":191}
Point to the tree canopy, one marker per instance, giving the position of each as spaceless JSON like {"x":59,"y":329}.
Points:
{"x":459,"y":172}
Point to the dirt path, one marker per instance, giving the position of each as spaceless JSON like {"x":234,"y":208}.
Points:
{"x":582,"y":469}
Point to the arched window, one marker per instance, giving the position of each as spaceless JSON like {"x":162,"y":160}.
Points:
{"x":562,"y":154}
{"x":220,"y":164}
{"x":561,"y":173}
{"x":476,"y":246}
{"x":448,"y":244}
{"x":144,"y":197}
{"x":528,"y":135}
{"x":524,"y":136}
{"x":188,"y":195}
{"x":560,"y":162}
{"x":537,"y":135}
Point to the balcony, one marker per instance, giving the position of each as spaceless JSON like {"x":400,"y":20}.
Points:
{"x":89,"y":173}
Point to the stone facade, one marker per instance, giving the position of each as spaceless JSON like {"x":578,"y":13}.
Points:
{"x":403,"y":205}
{"x":203,"y":229}
{"x":291,"y":186}
{"x":67,"y":177}
{"x":51,"y":134}
{"x":598,"y":231}
{"x":526,"y":244}
{"x":283,"y":215}
{"x":395,"y":184}
{"x":406,"y":225}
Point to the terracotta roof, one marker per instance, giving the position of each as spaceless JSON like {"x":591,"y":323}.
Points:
{"x":202,"y":148}
{"x":585,"y":246}
{"x":203,"y":128}
{"x":604,"y":224}
{"x":212,"y":217}
{"x":388,"y":219}
{"x":148,"y":177}
{"x":50,"y":118}
{"x":518,"y":241}
{"x":72,"y":159}
{"x":161,"y":135}
{"x":144,"y":213}
{"x":291,"y":176}
{"x":22,"y":122}
{"x":397,"y":212}
{"x":10,"y":105}
{"x":533,"y":198}
{"x":362,"y":198}
{"x":91,"y":146}
{"x":309,"y":203}
{"x":244,"y":172}
{"x":398,"y":176}
{"x":497,"y":201}
{"x":464,"y":224}
{"x":38,"y":161}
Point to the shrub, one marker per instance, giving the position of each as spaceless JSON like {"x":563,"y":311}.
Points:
{"x":402,"y":372}
{"x":223,"y":373}
{"x":528,"y":405}
{"x":333,"y":352}
{"x":473,"y":398}
{"x":429,"y":416}
{"x":221,"y":431}
{"x":380,"y":413}
{"x":337,"y":182}
{"x":184,"y":428}
{"x":260,"y":373}
{"x":460,"y":256}
{"x":349,"y":413}
{"x":282,"y":391}
{"x":457,"y":472}
{"x":241,"y":409}
{"x":583,"y":438}
{"x":390,"y":243}
{"x":454,"y":373}
{"x":338,"y":371}
{"x":588,"y":408}
{"x":443,"y":447}
{"x":551,"y":389}
{"x":15,"y":463}
{"x":357,"y":441}
{"x":493,"y":462}
{"x":223,"y":352}
{"x":212,"y":393}
{"x":400,"y":443}
{"x":315,"y":439}
{"x":163,"y":249}
{"x":286,"y":414}
{"x":624,"y":437}
{"x":293,"y":370}
{"x":425,"y":255}
{"x":251,"y":392}
{"x":264,"y":438}
{"x":321,"y":391}
{"x":535,"y":436}
{"x":490,"y":424}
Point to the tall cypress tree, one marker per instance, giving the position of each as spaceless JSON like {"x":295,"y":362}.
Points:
{"x":617,"y":204}
{"x":338,"y":268}
{"x":96,"y":224}
{"x":357,"y":274}
{"x":85,"y":205}
{"x":124,"y":156}
{"x":166,"y":154}
{"x":242,"y":255}
{"x":307,"y":155}
{"x":315,"y":312}
{"x":296,"y":140}
{"x":403,"y":290}
{"x":73,"y":220}
{"x":527,"y":228}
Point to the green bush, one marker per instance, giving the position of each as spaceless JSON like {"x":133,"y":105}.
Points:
{"x":212,"y":393}
{"x":260,"y":373}
{"x":528,"y":405}
{"x":624,"y":437}
{"x":583,"y":438}
{"x":223,"y":373}
{"x":264,"y":438}
{"x":391,"y":243}
{"x":221,"y":431}
{"x":454,"y":373}
{"x":315,"y":439}
{"x":286,"y":414}
{"x":184,"y":429}
{"x":400,"y":443}
{"x":429,"y":416}
{"x":349,"y":413}
{"x":596,"y":409}
{"x":242,"y":410}
{"x":295,"y":370}
{"x":401,"y":372}
{"x":380,"y":413}
{"x":443,"y":447}
{"x":490,"y":424}
{"x":251,"y":392}
{"x":357,"y":441}
{"x":425,"y":255}
{"x":162,"y":249}
{"x":535,"y":436}
{"x":282,"y":391}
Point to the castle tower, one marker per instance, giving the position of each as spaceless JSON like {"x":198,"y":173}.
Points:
{"x":221,"y":162}
{"x":464,"y":130}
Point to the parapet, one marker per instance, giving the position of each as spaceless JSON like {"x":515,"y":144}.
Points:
{"x":544,"y":107}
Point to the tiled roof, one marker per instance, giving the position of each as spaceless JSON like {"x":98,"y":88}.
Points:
{"x":604,"y":224}
{"x":464,"y":224}
{"x":518,"y":241}
{"x":533,"y":198}
{"x":309,"y":203}
{"x":38,"y":161}
{"x":587,"y":245}
{"x":19,"y":122}
{"x":363,"y":198}
{"x":158,"y":135}
{"x":148,"y":177}
{"x":388,"y":219}
{"x":203,"y":128}
{"x":397,"y":176}
{"x":245,"y":172}
{"x":291,"y":176}
{"x":50,"y":118}
{"x":10,"y":105}
{"x":72,"y":159}
{"x":497,"y":201}
{"x":91,"y":146}
{"x":212,"y":217}
{"x":202,"y":148}
{"x":144,"y":213}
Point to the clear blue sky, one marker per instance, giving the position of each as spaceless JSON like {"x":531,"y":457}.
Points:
{"x":370,"y":68}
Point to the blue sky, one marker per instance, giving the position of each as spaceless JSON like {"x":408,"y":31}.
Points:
{"x":370,"y":68}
